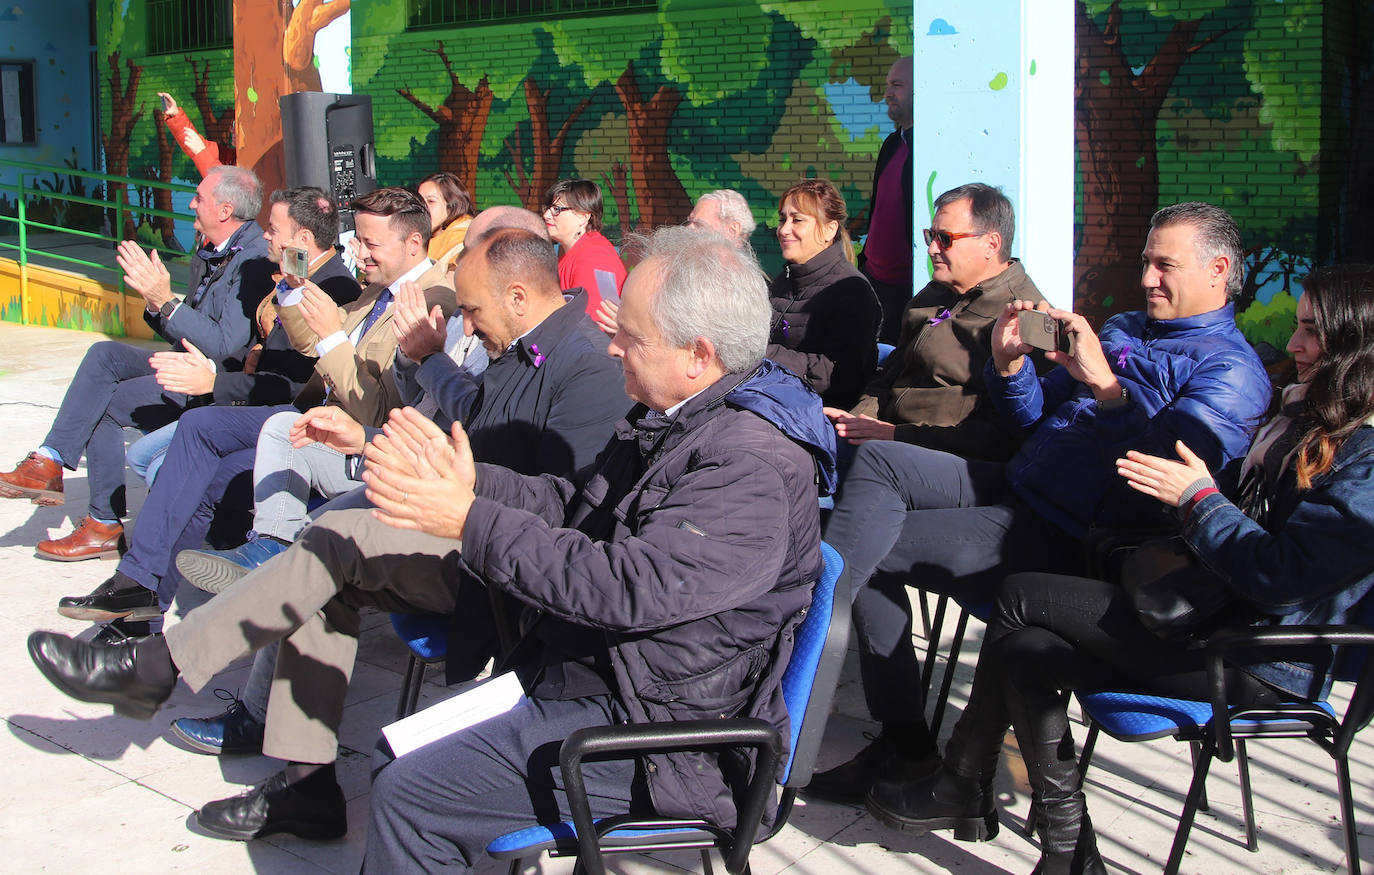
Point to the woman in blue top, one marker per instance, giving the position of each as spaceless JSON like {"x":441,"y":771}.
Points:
{"x":1298,"y":553}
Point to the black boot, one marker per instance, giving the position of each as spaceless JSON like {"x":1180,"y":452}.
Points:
{"x":947,"y":801}
{"x":890,"y":753}
{"x":117,"y":598}
{"x":1069,"y":848}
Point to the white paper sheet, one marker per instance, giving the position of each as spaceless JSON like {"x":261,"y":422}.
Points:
{"x":483,"y":702}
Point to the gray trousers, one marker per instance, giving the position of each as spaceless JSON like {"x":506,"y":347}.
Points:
{"x":308,"y":599}
{"x":283,"y":477}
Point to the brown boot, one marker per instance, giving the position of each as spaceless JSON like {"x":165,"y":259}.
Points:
{"x":91,"y":540}
{"x":37,"y":478}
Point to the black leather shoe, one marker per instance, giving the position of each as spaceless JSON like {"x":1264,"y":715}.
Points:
{"x":850,"y":782}
{"x":276,"y":806}
{"x":946,"y":802}
{"x":233,"y":732}
{"x":117,"y":632}
{"x":119,"y":597}
{"x":135,"y":678}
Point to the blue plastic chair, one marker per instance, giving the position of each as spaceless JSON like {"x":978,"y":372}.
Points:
{"x":426,"y":637}
{"x":1218,"y":730}
{"x":808,"y":685}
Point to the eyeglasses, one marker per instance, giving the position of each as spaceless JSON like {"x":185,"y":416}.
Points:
{"x":557,"y":209}
{"x":945,"y":239}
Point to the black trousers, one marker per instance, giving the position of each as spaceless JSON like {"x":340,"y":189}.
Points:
{"x":114,"y":387}
{"x":1053,"y":634}
{"x":437,"y":808}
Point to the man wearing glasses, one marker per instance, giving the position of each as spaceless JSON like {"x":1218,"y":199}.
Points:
{"x":930,"y":390}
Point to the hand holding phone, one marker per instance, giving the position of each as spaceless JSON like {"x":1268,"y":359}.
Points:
{"x":295,"y":261}
{"x":1043,"y":331}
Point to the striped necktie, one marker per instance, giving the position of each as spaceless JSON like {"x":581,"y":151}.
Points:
{"x":377,"y":310}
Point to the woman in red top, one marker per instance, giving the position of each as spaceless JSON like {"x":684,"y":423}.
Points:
{"x":587,"y":259}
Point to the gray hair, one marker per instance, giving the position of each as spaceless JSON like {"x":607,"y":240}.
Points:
{"x":238,"y":187}
{"x":709,"y":289}
{"x":990,"y":209}
{"x":732,"y":208}
{"x":1215,"y":234}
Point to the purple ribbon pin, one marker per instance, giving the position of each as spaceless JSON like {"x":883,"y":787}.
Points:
{"x":538,"y":356}
{"x":940,"y":317}
{"x":1121,"y":359}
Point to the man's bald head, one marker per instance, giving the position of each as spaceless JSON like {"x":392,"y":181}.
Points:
{"x":493,"y":218}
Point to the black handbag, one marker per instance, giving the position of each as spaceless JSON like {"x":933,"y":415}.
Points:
{"x":1174,"y":594}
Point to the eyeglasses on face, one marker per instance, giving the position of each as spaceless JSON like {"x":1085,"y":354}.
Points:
{"x":557,"y":209}
{"x":945,"y":239}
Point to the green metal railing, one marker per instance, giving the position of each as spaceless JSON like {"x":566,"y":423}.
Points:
{"x":115,"y":205}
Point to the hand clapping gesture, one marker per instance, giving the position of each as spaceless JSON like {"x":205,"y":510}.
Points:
{"x":419,"y":478}
{"x":189,"y":372}
{"x":419,"y":332}
{"x":145,"y":273}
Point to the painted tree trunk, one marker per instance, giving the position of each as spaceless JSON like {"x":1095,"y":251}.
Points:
{"x":1116,"y":112}
{"x":123,"y":118}
{"x":162,"y":197}
{"x":662,"y":199}
{"x":462,"y":121}
{"x":260,"y":79}
{"x":546,"y":150}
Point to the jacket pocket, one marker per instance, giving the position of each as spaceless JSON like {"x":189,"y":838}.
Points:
{"x":718,"y":692}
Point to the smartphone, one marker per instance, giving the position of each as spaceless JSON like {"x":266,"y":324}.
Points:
{"x":1043,"y":331}
{"x":295,"y":261}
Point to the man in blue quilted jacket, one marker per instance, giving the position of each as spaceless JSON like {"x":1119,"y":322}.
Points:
{"x":909,"y":516}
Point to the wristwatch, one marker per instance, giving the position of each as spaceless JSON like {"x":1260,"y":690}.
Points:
{"x":167,"y":308}
{"x":1116,"y":403}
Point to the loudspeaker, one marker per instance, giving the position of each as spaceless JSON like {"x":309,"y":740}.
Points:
{"x":327,"y":142}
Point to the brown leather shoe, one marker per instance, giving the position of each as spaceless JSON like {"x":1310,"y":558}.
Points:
{"x":91,"y":540}
{"x":37,"y":478}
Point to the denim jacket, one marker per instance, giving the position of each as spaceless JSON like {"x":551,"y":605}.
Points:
{"x":1312,"y":565}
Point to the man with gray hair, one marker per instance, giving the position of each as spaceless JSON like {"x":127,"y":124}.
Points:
{"x":116,"y":387}
{"x":683,"y":564}
{"x":726,"y":212}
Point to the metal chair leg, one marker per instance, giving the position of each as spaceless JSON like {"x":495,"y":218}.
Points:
{"x":925,"y":613}
{"x":410,"y":687}
{"x":948,"y":681}
{"x":1247,"y":804}
{"x":1194,"y":748}
{"x":1190,"y":809}
{"x":1352,"y":838}
{"x":933,"y":643}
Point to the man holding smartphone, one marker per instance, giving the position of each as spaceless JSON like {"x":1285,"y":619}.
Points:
{"x":910,"y":516}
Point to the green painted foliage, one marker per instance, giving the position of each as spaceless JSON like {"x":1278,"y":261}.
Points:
{"x":1270,"y":323}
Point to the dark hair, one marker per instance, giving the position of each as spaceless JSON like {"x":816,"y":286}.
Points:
{"x":820,"y":200}
{"x":580,"y":194}
{"x":516,"y":254}
{"x":456,"y":198}
{"x":990,"y":210}
{"x":1340,"y":389}
{"x":406,"y":210}
{"x":310,"y":208}
{"x":1215,"y":234}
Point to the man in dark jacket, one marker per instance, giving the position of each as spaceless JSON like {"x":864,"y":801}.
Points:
{"x":668,"y":586}
{"x":907,"y":515}
{"x":115,"y":387}
{"x":930,"y":391}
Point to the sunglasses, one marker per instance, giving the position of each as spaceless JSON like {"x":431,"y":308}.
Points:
{"x":557,"y":209}
{"x":945,"y":239}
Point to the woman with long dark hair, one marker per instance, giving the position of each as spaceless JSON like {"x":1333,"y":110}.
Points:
{"x":1284,"y":534}
{"x":825,"y":313}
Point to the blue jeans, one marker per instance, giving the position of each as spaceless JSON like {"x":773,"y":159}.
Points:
{"x":145,"y":455}
{"x":910,"y":516}
{"x":114,"y":388}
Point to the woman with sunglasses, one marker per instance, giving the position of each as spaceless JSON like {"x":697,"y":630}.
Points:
{"x":825,"y":314}
{"x":450,"y":213}
{"x":1285,"y":533}
{"x":586,"y":260}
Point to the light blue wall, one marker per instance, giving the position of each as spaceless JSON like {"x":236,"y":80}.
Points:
{"x":994,"y":104}
{"x":55,"y":35}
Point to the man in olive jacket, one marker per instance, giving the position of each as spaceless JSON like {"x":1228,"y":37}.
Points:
{"x":930,"y":390}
